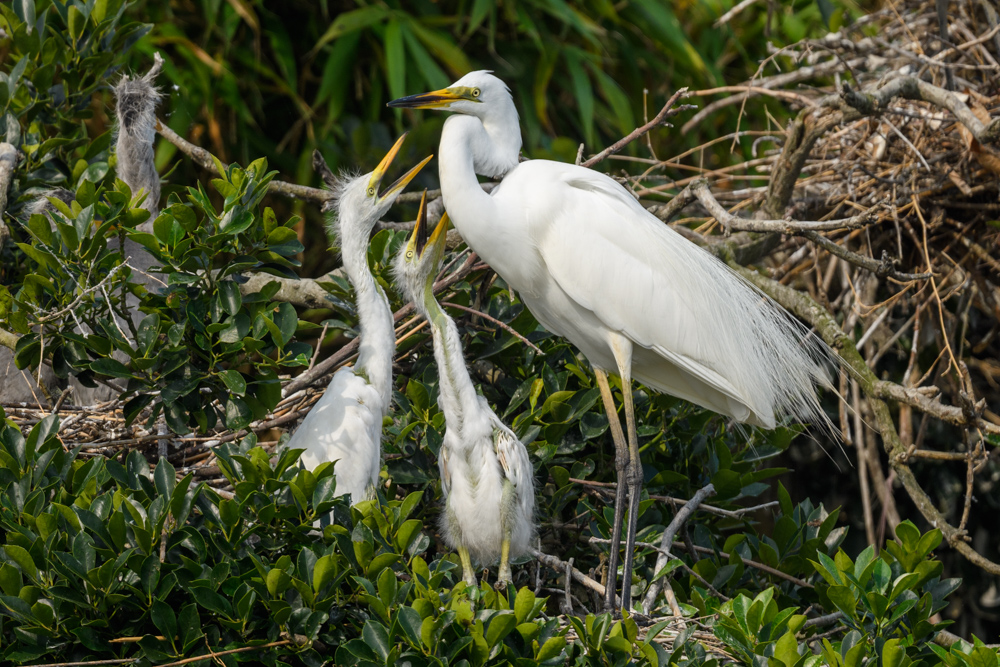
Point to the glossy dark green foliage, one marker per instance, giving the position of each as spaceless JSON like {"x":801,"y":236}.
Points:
{"x":199,"y":351}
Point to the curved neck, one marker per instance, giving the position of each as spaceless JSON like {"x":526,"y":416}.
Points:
{"x":471,"y":209}
{"x":457,"y":393}
{"x":378,"y":340}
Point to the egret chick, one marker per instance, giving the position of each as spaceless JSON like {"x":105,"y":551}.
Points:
{"x":345,"y":426}
{"x":637,"y":298}
{"x":486,"y":476}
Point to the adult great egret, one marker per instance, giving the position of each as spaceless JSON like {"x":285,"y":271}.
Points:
{"x":345,"y":426}
{"x":636,"y":297}
{"x":486,"y":475}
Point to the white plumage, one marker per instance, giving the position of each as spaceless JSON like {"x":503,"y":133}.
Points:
{"x":345,"y":426}
{"x":637,"y":298}
{"x":486,"y":476}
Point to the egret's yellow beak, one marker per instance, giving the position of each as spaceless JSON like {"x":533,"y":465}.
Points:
{"x":383,"y":166}
{"x":438,"y":99}
{"x":419,"y":240}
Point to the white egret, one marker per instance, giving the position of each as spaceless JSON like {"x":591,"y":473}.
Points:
{"x":633,"y":295}
{"x":345,"y":426}
{"x":486,"y":475}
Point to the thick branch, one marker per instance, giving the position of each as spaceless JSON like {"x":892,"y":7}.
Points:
{"x":786,"y":226}
{"x":912,"y":88}
{"x":914,"y":397}
{"x":8,"y":339}
{"x":304,"y":292}
{"x":660,"y":119}
{"x":801,"y":135}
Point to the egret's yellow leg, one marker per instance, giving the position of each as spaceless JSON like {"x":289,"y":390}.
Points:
{"x":468,"y":574}
{"x":622,"y":348}
{"x":504,"y":576}
{"x":621,"y":462}
{"x":508,"y":508}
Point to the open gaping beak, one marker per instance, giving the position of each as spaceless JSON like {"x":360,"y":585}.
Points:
{"x":438,"y":99}
{"x":419,"y":240}
{"x":404,"y":180}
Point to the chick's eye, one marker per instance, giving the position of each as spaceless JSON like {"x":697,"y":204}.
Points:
{"x":371,"y":192}
{"x":409,"y":254}
{"x":475,"y":92}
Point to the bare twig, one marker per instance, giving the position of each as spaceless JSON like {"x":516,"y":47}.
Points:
{"x":560,"y":566}
{"x":668,"y":538}
{"x":666,"y":112}
{"x":727,"y":17}
{"x":506,"y":327}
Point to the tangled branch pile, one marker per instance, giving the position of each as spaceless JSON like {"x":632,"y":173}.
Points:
{"x":895,"y":164}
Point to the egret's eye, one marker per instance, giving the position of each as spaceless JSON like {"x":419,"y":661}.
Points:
{"x":409,"y":254}
{"x":371,"y":192}
{"x":475,"y":92}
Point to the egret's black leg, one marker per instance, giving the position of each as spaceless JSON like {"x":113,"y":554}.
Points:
{"x":622,"y":348}
{"x":621,"y":464}
{"x":635,"y":490}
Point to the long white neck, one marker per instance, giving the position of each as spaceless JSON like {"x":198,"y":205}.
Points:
{"x":378,"y":340}
{"x":457,"y":394}
{"x":472,"y":210}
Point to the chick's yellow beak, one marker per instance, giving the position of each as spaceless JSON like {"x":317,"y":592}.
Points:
{"x":383,"y":167}
{"x":440,"y":235}
{"x":419,"y":241}
{"x":418,"y":238}
{"x":438,"y":99}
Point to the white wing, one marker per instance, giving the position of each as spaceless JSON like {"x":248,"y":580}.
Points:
{"x":513,"y":458}
{"x":345,"y":426}
{"x":701,"y":332}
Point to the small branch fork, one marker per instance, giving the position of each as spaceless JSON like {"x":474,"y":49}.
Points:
{"x":668,"y":111}
{"x":667,"y":539}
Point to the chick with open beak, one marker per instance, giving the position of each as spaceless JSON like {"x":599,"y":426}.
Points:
{"x":344,"y":428}
{"x":486,"y":476}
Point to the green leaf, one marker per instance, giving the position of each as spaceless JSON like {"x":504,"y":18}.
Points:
{"x":395,"y":59}
{"x":211,"y":600}
{"x":499,"y":627}
{"x":164,"y":619}
{"x":111,"y":368}
{"x":22,"y":559}
{"x":229,"y":296}
{"x":76,"y":22}
{"x":551,"y":648}
{"x":323,"y":572}
{"x":25,"y":10}
{"x":524,"y":603}
{"x":165,"y":478}
{"x":234,"y":381}
{"x":347,"y":22}
{"x":377,"y":638}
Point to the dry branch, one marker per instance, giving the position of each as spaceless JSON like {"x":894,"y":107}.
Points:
{"x":667,"y":539}
{"x":668,"y":111}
